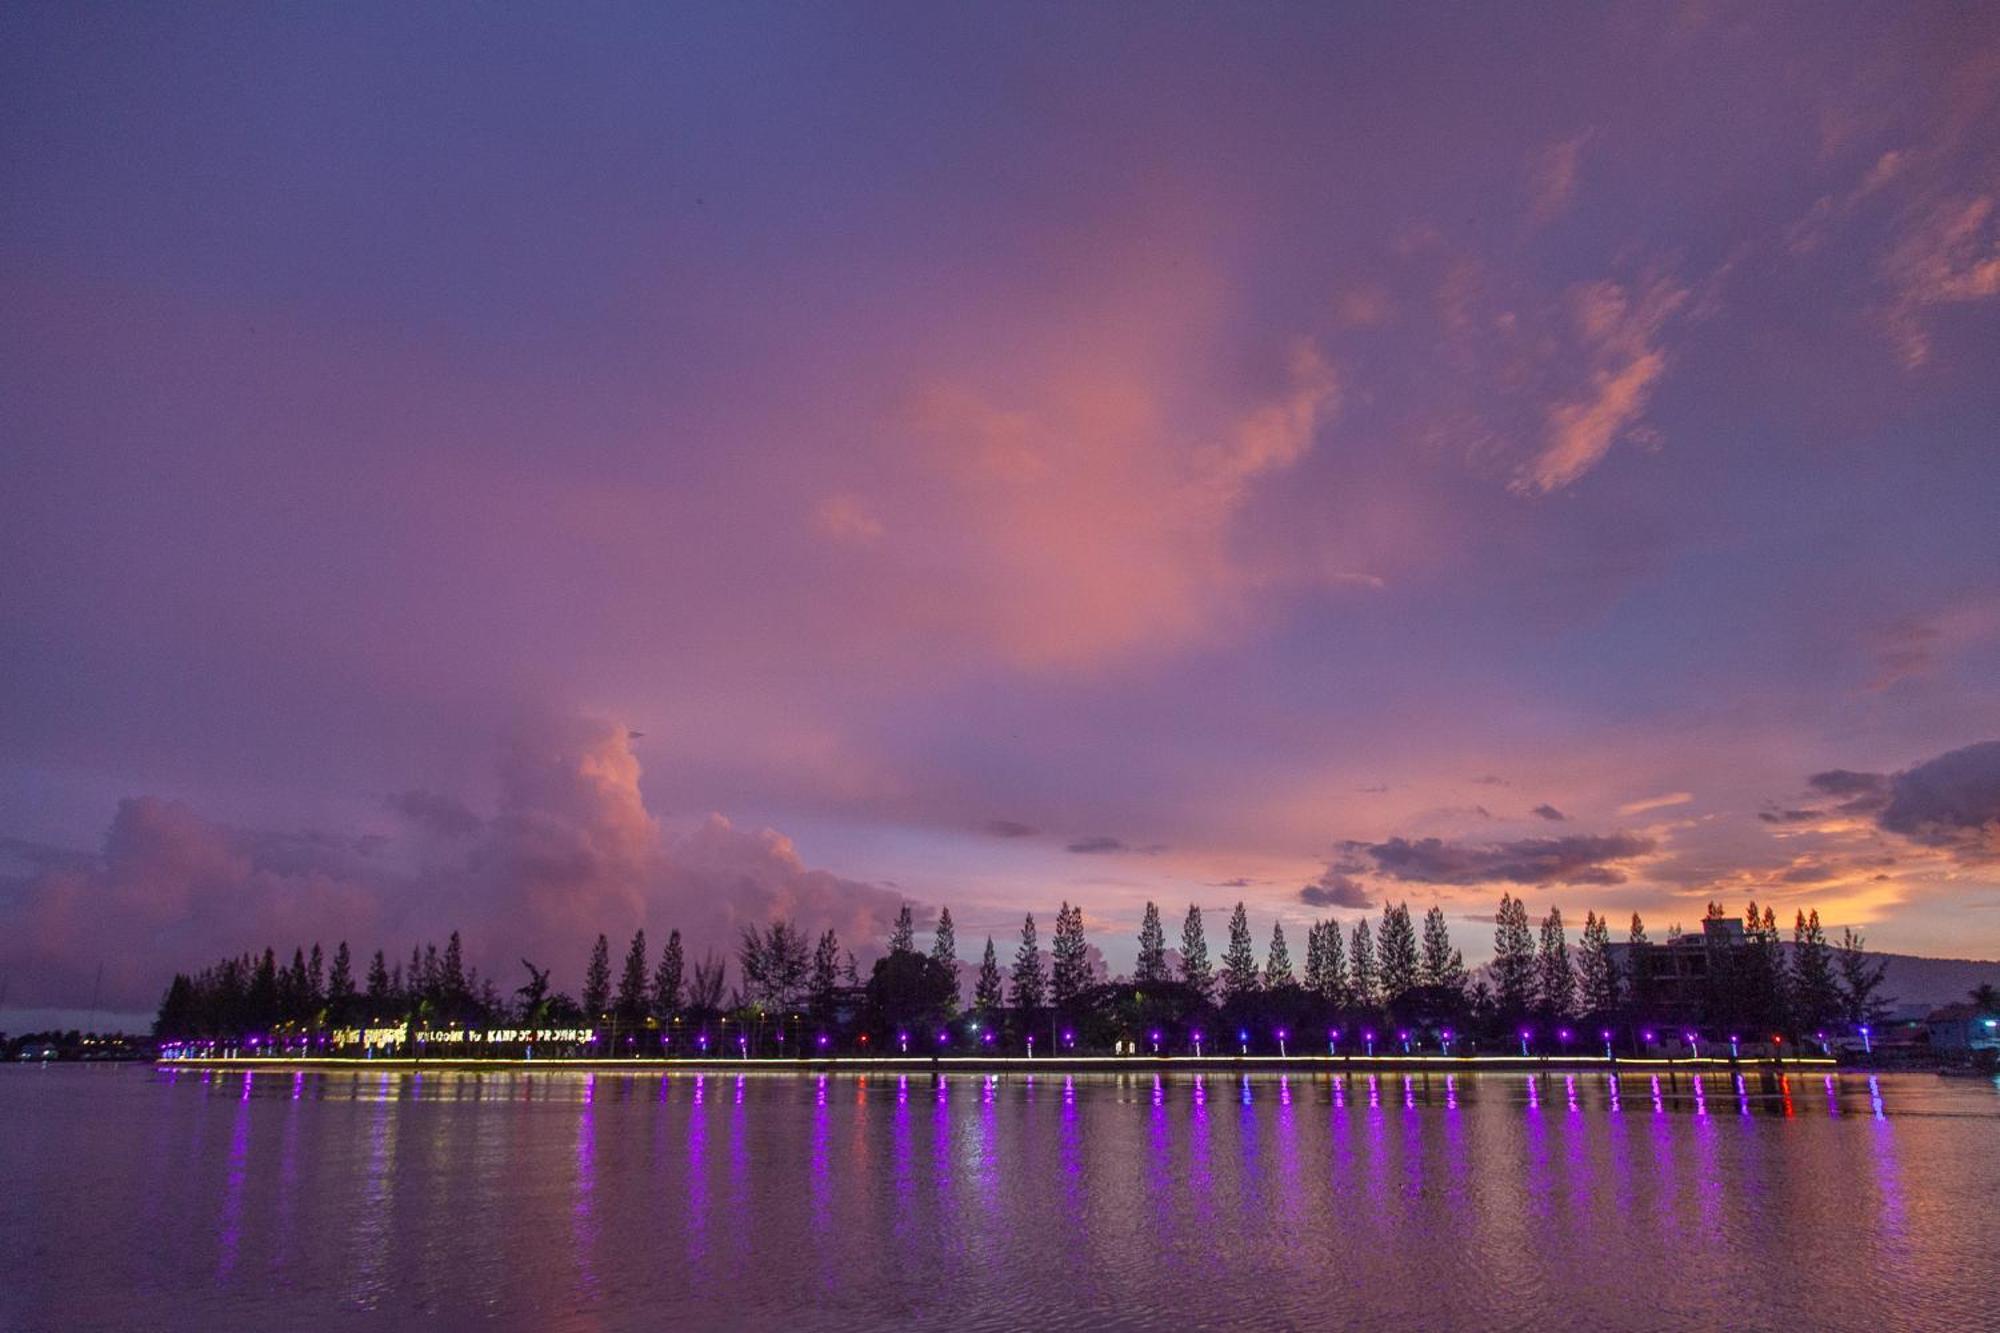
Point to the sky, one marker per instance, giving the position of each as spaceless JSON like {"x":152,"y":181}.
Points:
{"x":537,"y":471}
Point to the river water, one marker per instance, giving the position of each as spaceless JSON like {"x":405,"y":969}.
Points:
{"x":136,"y":1198}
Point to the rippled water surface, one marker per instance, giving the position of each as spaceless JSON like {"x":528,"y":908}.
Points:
{"x":134,"y":1198}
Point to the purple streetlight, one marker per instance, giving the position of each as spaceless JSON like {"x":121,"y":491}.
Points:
{"x":1031,"y":1045}
{"x":1282,"y":1034}
{"x":1332,"y":1040}
{"x":1069,"y":1039}
{"x":903,"y":1040}
{"x":1197,"y":1044}
{"x":743,"y":1046}
{"x":1156,"y":1041}
{"x":1404,"y":1037}
{"x":1243,"y":1042}
{"x":1735,"y":1052}
{"x":1606,"y":1034}
{"x":1867,"y":1047}
{"x":1446,"y":1034}
{"x":1368,"y":1036}
{"x":1525,"y":1034}
{"x":1690,"y":1042}
{"x":1562,"y":1035}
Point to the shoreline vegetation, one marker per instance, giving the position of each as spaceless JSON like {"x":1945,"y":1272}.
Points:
{"x":1381,"y":993}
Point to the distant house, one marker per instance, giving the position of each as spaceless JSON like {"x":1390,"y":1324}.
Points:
{"x":1964,"y":1027}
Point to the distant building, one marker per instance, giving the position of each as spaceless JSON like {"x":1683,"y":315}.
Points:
{"x":1673,"y":977}
{"x":1964,"y":1027}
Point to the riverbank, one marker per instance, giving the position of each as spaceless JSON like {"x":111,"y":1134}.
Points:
{"x":1095,"y":1064}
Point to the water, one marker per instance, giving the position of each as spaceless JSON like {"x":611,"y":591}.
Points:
{"x":136,"y":1198}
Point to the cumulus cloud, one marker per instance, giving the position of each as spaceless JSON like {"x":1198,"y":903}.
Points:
{"x":1335,"y":889}
{"x":1952,"y":801}
{"x":571,"y":850}
{"x":1578,"y":859}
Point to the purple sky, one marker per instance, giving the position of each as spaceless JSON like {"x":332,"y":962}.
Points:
{"x":546,"y":473}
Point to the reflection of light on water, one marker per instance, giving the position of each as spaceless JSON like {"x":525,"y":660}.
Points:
{"x":230,"y":1232}
{"x":583,"y":1225}
{"x":373,"y":1217}
{"x":1832,"y":1097}
{"x":697,"y":1173}
{"x":1659,"y":1107}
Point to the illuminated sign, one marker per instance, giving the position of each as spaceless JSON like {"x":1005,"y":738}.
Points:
{"x":395,"y":1036}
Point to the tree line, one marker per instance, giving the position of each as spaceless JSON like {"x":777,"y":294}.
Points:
{"x":792,"y":993}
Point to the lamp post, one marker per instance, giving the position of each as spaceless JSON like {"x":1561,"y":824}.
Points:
{"x":1606,"y":1034}
{"x":1031,"y":1045}
{"x":1524,"y":1041}
{"x":1404,"y":1037}
{"x":1368,"y":1037}
{"x":1735,"y":1050}
{"x":1243,"y":1042}
{"x":1446,"y":1040}
{"x":1197,"y":1045}
{"x":1281,"y":1043}
{"x":1562,"y":1035}
{"x":1156,"y":1041}
{"x":903,"y":1041}
{"x":1867,"y":1047}
{"x":1332,"y":1040}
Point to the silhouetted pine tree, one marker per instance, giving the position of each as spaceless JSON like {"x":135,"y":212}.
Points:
{"x":631,"y":1002}
{"x":1239,"y":960}
{"x":1513,"y":959}
{"x":1334,"y":987}
{"x":1278,"y":961}
{"x":1152,"y":965}
{"x":597,"y":980}
{"x":944,"y":946}
{"x":1363,"y":984}
{"x":1028,"y":980}
{"x":903,"y":937}
{"x":1555,"y":981}
{"x":1397,"y":945}
{"x":1070,"y":971}
{"x":987,"y":995}
{"x":1195,"y":969}
{"x":668,"y":978}
{"x":1860,"y":978}
{"x":1596,"y":974}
